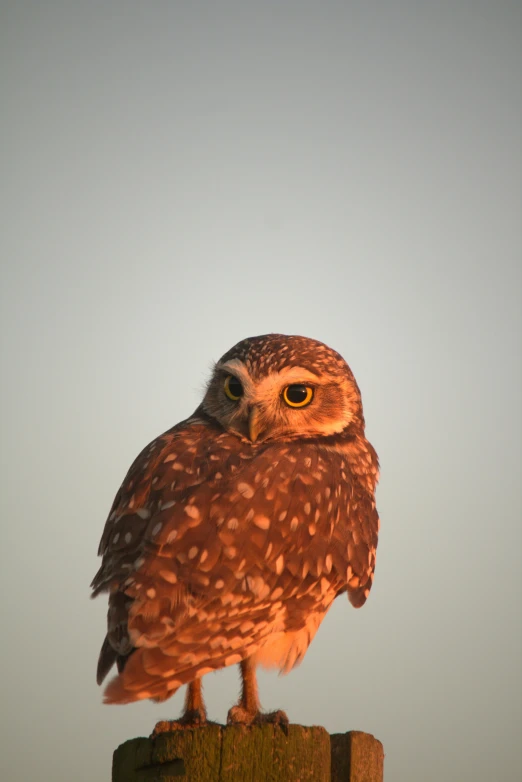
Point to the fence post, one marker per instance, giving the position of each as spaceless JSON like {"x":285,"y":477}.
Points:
{"x":356,"y":757}
{"x":261,"y":753}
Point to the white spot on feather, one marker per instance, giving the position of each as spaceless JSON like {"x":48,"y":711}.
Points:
{"x":325,"y":586}
{"x":263,"y":522}
{"x":246,"y":490}
{"x":169,"y":576}
{"x":232,"y":659}
{"x":167,"y":505}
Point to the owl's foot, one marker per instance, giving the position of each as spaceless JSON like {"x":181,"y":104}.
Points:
{"x":248,"y":710}
{"x":238,"y":715}
{"x":273,"y":717}
{"x":194,"y":714}
{"x":190,"y":719}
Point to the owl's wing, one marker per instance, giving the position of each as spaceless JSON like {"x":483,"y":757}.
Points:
{"x":159,"y":479}
{"x":356,"y":538}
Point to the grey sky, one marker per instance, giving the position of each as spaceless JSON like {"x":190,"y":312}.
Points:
{"x":180,"y":175}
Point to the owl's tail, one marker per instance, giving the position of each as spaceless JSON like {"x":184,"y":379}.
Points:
{"x":106,"y":660}
{"x":108,"y":656}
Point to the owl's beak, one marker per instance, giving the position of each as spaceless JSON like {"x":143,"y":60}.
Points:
{"x":254,"y":423}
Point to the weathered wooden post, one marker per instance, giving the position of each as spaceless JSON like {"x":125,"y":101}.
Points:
{"x":356,"y":757}
{"x":262,"y":753}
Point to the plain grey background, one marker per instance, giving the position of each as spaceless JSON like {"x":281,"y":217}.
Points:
{"x":179,"y":175}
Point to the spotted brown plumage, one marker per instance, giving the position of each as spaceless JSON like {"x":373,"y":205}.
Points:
{"x":234,"y":531}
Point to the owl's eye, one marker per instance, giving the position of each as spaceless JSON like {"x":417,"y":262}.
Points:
{"x":233,"y":388}
{"x":298,"y":395}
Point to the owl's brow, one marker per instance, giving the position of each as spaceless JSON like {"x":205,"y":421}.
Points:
{"x":235,"y":366}
{"x":293,"y":374}
{"x":296,"y":374}
{"x":238,"y":369}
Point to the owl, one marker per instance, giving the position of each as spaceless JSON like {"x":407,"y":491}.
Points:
{"x":233,"y":532}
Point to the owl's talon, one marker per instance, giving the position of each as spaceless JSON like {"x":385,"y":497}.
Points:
{"x":190,"y":719}
{"x":273,"y":717}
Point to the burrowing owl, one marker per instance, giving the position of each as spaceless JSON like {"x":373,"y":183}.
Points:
{"x":234,"y":531}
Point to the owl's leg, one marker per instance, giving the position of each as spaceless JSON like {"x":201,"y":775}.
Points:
{"x":248,"y":710}
{"x":194,"y":712}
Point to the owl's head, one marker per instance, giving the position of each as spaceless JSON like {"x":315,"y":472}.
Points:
{"x":278,"y":387}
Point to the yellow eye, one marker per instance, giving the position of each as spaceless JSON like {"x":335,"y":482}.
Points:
{"x":233,"y":388}
{"x":298,"y":395}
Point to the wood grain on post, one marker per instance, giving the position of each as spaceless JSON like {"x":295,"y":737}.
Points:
{"x":262,"y":753}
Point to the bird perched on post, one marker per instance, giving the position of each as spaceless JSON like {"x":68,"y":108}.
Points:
{"x":234,"y":531}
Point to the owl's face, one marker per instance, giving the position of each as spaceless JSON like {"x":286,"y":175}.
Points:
{"x":278,"y":387}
